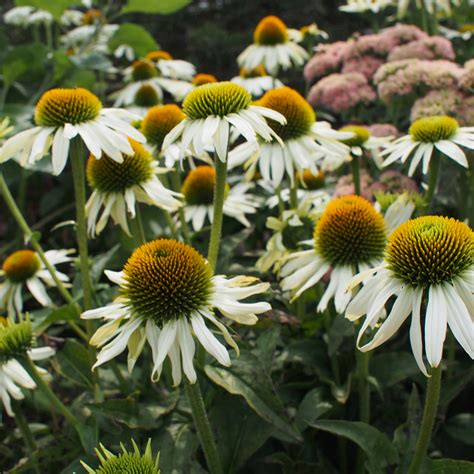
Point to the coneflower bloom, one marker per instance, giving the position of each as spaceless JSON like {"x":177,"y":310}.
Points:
{"x":272,"y":48}
{"x":429,"y":257}
{"x":64,"y":114}
{"x":145,"y":98}
{"x":427,"y":135}
{"x":306,"y":141}
{"x":126,"y":461}
{"x":198,"y":191}
{"x":24,"y":268}
{"x":172,"y":68}
{"x":256,"y":80}
{"x":167,"y":293}
{"x":117,"y":187}
{"x":212,"y":110}
{"x":16,"y":340}
{"x":349,"y":237}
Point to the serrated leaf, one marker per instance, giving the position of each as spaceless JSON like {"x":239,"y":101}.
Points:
{"x":381,"y":454}
{"x":134,"y":36}
{"x":163,"y":7}
{"x":247,"y":378}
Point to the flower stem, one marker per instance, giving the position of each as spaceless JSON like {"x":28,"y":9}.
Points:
{"x":218,"y":205}
{"x":203,"y":427}
{"x":136,"y":227}
{"x":78,"y":175}
{"x":28,"y":233}
{"x":48,"y":393}
{"x":356,"y":174}
{"x":433,"y":179}
{"x":176,"y":180}
{"x":294,"y":196}
{"x":429,"y":414}
{"x":364,"y":398}
{"x":26,"y":435}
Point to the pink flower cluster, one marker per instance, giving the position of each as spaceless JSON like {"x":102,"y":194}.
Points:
{"x":466,"y":81}
{"x":434,"y":47}
{"x":383,"y":130}
{"x":402,"y":34}
{"x":328,"y":59}
{"x":340,"y":92}
{"x":366,"y":65}
{"x":445,"y":102}
{"x":389,"y":182}
{"x":400,"y":78}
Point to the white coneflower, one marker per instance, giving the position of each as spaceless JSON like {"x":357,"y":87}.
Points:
{"x":18,"y":16}
{"x":432,"y":257}
{"x":361,"y":6}
{"x":432,"y":6}
{"x":272,"y":48}
{"x":306,"y":141}
{"x":16,"y":340}
{"x":167,"y":293}
{"x":126,"y":461}
{"x":198,"y":191}
{"x":212,"y":110}
{"x":441,"y":133}
{"x":172,"y":68}
{"x":71,"y":18}
{"x":64,"y":114}
{"x":24,"y":267}
{"x":117,"y":187}
{"x":349,"y":237}
{"x":256,"y":80}
{"x":124,"y":51}
{"x":145,"y":98}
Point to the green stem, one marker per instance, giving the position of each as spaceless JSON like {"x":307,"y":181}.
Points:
{"x":424,"y":18}
{"x":356,"y":174}
{"x":78,"y":174}
{"x":28,"y":233}
{"x":281,"y":204}
{"x":176,"y":181}
{"x":429,"y":414}
{"x":364,"y":398}
{"x":3,"y":95}
{"x":294,"y":195}
{"x":203,"y":427}
{"x":48,"y":393}
{"x":136,"y":227}
{"x":218,"y":205}
{"x":26,"y":435}
{"x":433,"y":178}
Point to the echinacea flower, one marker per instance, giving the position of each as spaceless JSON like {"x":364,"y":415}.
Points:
{"x":24,"y":267}
{"x":18,"y":16}
{"x":432,"y":257}
{"x":440,"y":134}
{"x":16,"y":341}
{"x":198,"y":191}
{"x":145,"y":98}
{"x":306,"y":141}
{"x":256,"y":80}
{"x":117,"y":187}
{"x":362,"y":6}
{"x":61,"y":115}
{"x":272,"y":48}
{"x":126,"y":461}
{"x":167,"y":293}
{"x":172,"y":68}
{"x":212,"y":110}
{"x":349,"y":237}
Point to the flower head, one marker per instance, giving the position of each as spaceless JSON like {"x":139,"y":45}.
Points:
{"x":146,"y":97}
{"x":62,"y":115}
{"x":159,"y":121}
{"x":433,"y":256}
{"x":427,"y":134}
{"x":166,"y":289}
{"x":118,"y":186}
{"x":143,"y":69}
{"x":361,"y":135}
{"x":203,"y":78}
{"x":156,"y":56}
{"x":270,"y":31}
{"x":211,"y":110}
{"x":132,"y":462}
{"x":24,"y":268}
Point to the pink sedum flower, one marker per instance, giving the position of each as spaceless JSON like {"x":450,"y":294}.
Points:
{"x":434,"y":47}
{"x":366,"y":65}
{"x":402,"y":34}
{"x":327,"y":59}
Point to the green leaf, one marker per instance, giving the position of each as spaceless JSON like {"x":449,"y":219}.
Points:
{"x":163,"y":7}
{"x":461,"y":428}
{"x":447,"y":466}
{"x":88,"y":434}
{"x":23,"y":59}
{"x":134,"y":36}
{"x":75,"y":363}
{"x":55,"y":7}
{"x":80,"y":78}
{"x":339,"y":330}
{"x":402,"y":366}
{"x":381,"y":454}
{"x":247,"y":378}
{"x":313,"y":406}
{"x":240,"y":431}
{"x":64,"y":313}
